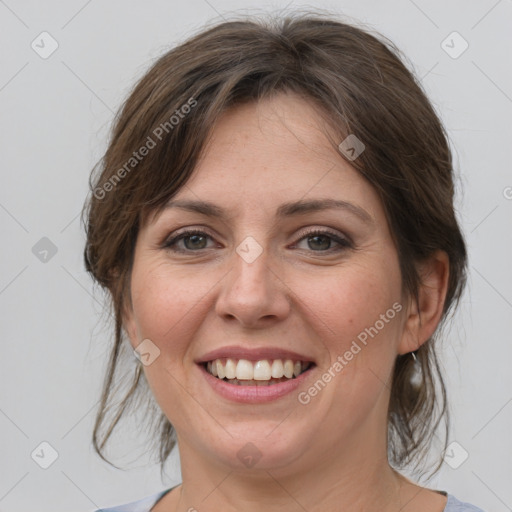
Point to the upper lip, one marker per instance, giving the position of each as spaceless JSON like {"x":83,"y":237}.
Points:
{"x":252,"y":354}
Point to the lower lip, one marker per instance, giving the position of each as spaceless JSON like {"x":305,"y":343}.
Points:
{"x":254,"y":394}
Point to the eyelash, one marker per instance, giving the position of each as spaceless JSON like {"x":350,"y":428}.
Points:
{"x":344,"y":243}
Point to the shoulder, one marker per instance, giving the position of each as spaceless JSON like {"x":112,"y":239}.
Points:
{"x":143,"y":505}
{"x":454,"y":505}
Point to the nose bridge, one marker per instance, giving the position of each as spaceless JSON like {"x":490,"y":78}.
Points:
{"x":251,"y":291}
{"x":250,"y":267}
{"x":249,"y":279}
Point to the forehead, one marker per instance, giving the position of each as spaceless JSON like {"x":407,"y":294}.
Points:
{"x":275,"y":151}
{"x":276,"y":130}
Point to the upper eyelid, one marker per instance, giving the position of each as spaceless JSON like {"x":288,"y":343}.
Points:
{"x":185,"y":232}
{"x":300,"y":232}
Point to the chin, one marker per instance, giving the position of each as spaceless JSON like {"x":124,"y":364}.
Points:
{"x":261,"y":446}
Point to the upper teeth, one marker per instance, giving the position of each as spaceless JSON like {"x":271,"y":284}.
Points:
{"x":264,"y":369}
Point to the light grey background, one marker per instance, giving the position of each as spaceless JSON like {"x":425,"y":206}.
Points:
{"x":55,"y":114}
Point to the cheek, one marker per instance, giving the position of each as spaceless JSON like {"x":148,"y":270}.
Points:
{"x":359,"y":315}
{"x":164,"y":302}
{"x":356,"y":301}
{"x":166,"y":308}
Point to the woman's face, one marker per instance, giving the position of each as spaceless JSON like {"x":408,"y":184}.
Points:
{"x":257,"y":288}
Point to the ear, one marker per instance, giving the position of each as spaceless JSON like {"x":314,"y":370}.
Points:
{"x":423,"y":317}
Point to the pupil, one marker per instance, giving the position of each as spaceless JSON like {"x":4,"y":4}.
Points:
{"x":194,"y":239}
{"x":325,"y":238}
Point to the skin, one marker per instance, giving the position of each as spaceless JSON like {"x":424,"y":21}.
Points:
{"x":302,"y":293}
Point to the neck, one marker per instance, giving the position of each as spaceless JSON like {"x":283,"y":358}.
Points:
{"x":348,"y":479}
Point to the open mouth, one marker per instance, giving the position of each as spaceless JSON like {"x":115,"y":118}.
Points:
{"x":265,"y":372}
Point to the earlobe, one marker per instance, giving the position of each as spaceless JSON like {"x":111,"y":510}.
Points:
{"x":424,"y":315}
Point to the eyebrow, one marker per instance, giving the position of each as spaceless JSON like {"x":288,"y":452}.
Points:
{"x":290,"y":209}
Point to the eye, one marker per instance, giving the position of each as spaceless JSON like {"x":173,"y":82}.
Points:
{"x":321,"y":241}
{"x":193,"y":240}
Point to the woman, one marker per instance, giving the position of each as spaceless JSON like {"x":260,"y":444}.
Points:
{"x":274,"y":222}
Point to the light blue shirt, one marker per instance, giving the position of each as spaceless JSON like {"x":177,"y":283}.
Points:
{"x":145,"y":504}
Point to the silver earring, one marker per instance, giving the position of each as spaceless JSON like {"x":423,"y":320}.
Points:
{"x":417,"y":375}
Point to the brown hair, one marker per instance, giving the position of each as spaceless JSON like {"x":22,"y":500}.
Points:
{"x":360,"y":86}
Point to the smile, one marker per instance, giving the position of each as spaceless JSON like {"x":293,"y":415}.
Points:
{"x":265,"y":372}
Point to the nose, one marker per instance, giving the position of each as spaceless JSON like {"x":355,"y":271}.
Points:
{"x":253,"y":293}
